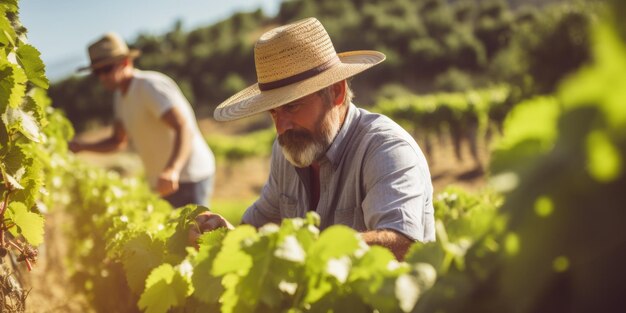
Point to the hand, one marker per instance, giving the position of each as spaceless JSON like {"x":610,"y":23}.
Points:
{"x":205,"y":222}
{"x":167,"y":182}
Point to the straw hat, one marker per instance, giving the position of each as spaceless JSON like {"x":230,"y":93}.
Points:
{"x":109,"y":49}
{"x":291,"y":62}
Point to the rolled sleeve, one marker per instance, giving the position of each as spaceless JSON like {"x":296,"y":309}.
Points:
{"x":397,"y":193}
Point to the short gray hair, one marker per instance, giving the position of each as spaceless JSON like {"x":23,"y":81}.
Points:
{"x":325,"y":93}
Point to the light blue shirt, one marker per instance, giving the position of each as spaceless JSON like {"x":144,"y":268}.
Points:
{"x":373,"y":176}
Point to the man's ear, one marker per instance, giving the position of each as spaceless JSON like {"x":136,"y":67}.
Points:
{"x":339,"y":92}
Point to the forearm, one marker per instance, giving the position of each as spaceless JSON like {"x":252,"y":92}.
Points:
{"x":398,"y":243}
{"x":181,"y":149}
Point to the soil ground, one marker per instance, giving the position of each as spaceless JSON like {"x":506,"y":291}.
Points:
{"x":50,"y":288}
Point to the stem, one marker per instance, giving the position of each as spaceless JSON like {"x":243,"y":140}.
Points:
{"x":16,"y":246}
{"x":5,"y":204}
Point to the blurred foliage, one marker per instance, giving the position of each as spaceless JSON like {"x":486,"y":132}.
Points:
{"x":236,"y":148}
{"x":469,"y":116}
{"x":430,"y":45}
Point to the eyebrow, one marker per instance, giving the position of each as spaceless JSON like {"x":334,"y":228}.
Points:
{"x":294,"y":102}
{"x":299,"y":100}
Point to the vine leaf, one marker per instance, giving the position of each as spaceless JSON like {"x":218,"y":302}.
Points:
{"x":27,"y":223}
{"x":8,"y":5}
{"x":208,"y":287}
{"x":7,"y":33}
{"x":24,"y":122}
{"x":231,"y":258}
{"x":141,"y":255}
{"x":165,"y":288}
{"x":29,"y":58}
{"x":13,"y":180}
{"x":12,"y":85}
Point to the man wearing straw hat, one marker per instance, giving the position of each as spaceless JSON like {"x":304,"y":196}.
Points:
{"x":152,"y":113}
{"x":350,"y":166}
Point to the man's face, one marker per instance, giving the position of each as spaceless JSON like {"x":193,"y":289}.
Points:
{"x":110,"y":76}
{"x":306,"y":127}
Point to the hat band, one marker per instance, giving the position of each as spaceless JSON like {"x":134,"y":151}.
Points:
{"x":299,"y":77}
{"x":105,"y":58}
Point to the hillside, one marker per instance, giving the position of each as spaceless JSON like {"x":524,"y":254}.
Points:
{"x":437,"y":46}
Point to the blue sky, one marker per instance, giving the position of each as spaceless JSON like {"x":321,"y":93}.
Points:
{"x":62,"y":29}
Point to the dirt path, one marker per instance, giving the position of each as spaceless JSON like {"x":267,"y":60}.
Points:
{"x":49,"y":284}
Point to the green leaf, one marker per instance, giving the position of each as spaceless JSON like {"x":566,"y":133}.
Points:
{"x":373,"y":278}
{"x":13,"y":181}
{"x":290,"y":249}
{"x":30,"y":174}
{"x":8,"y":5}
{"x":15,"y":160}
{"x":165,"y":288}
{"x":604,"y":159}
{"x":29,"y":224}
{"x":530,"y":129}
{"x":231,"y":259}
{"x":409,"y":288}
{"x":373,"y":264}
{"x":178,"y":242}
{"x":252,"y":283}
{"x":601,"y":84}
{"x":208,"y":288}
{"x":12,"y":85}
{"x":40,"y":101}
{"x":30,"y":59}
{"x":7,"y":33}
{"x":431,"y":253}
{"x":141,"y":255}
{"x":24,"y":122}
{"x":334,"y":242}
{"x":534,"y":119}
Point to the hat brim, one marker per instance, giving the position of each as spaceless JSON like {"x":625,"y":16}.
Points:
{"x":132,"y":53}
{"x":252,"y":100}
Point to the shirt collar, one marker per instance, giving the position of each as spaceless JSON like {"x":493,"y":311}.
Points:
{"x":337,"y":148}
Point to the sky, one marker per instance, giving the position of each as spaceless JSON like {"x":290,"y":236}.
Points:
{"x":62,"y":29}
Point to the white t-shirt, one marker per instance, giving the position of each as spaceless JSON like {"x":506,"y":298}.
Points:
{"x":149,"y":96}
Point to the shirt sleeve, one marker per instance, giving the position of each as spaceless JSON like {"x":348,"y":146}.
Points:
{"x":398,"y":189}
{"x":163,"y":93}
{"x":266,"y":209}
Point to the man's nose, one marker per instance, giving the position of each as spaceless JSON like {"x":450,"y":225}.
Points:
{"x":281,"y":121}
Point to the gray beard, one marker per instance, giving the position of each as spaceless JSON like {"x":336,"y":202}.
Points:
{"x":301,"y":148}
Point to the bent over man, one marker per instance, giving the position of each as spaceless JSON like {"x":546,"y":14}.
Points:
{"x":152,"y":113}
{"x":351,"y":166}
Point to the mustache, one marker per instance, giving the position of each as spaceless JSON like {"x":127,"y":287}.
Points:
{"x":295,"y":137}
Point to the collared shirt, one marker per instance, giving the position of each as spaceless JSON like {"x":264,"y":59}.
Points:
{"x":373,"y":176}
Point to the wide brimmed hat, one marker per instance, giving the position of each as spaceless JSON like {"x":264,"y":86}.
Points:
{"x":110,"y":48}
{"x":293,"y":61}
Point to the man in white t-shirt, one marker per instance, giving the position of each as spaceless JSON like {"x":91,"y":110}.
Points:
{"x":153,"y":115}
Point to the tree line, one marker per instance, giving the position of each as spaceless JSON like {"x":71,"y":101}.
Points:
{"x":431,"y":45}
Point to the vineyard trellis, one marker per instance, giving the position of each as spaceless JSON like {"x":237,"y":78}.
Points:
{"x":472,"y":117}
